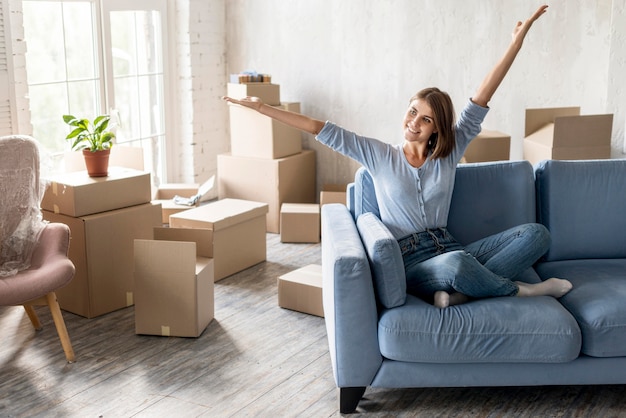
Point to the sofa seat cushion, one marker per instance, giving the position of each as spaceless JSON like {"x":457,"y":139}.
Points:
{"x":597,"y":301}
{"x":506,"y":329}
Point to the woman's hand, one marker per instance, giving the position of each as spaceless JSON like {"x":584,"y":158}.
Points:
{"x":251,"y":102}
{"x":521,"y":29}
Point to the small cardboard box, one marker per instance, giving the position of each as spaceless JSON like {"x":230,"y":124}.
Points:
{"x":166,"y":192}
{"x":563,"y":134}
{"x":174,"y":293}
{"x":238,"y":232}
{"x":255,"y":135}
{"x":300,"y":222}
{"x":333,"y":193}
{"x":101,"y":248}
{"x":488,"y":146}
{"x":77,"y":194}
{"x":269,"y":93}
{"x":301,"y":290}
{"x":289,"y":179}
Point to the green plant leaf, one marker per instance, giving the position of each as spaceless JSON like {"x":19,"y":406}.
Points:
{"x":74,"y":133}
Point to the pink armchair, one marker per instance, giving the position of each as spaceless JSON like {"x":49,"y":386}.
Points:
{"x":33,"y":254}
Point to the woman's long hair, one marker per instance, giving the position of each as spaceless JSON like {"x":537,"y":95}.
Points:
{"x":441,"y":143}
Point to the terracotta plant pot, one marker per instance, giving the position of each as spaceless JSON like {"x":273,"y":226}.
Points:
{"x":97,"y":162}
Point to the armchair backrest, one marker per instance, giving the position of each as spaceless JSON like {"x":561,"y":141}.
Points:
{"x":20,"y":214}
{"x":487,"y":198}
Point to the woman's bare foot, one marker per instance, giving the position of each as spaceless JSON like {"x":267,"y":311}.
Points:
{"x":444,"y":299}
{"x":552,"y":287}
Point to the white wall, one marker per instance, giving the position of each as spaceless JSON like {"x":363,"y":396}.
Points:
{"x":357,"y":62}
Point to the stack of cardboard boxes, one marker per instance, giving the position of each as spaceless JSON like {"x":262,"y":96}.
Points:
{"x":105,"y":216}
{"x":266,"y":162}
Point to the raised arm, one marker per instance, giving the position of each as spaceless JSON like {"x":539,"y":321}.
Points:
{"x":296,"y":120}
{"x":491,"y":82}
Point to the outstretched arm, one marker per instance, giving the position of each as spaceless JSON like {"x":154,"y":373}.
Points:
{"x":490,"y":84}
{"x":296,"y":120}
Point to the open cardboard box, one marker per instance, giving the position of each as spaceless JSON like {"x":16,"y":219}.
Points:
{"x":174,"y":291}
{"x":563,"y":134}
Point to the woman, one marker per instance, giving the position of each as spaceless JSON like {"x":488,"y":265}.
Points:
{"x":414,"y":182}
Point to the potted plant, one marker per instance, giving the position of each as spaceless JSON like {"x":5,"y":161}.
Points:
{"x":94,"y":140}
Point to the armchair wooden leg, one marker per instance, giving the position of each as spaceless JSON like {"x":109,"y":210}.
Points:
{"x":349,"y":399}
{"x":32,"y":315}
{"x":57,"y":317}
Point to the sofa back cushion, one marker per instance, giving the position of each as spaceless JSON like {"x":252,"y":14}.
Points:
{"x":491,"y":197}
{"x":583,"y":204}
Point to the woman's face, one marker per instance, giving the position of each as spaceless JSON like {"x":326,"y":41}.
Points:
{"x":419,"y":122}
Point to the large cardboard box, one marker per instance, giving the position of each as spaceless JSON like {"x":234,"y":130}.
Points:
{"x":173,"y":284}
{"x":488,"y":146}
{"x":300,"y":222}
{"x":289,"y":179}
{"x":77,"y":194}
{"x":165,"y":194}
{"x":269,"y":93}
{"x":101,"y":248}
{"x":238,"y":232}
{"x":255,"y":135}
{"x":301,"y":290}
{"x":563,"y":134}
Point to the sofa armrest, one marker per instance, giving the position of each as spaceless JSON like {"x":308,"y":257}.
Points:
{"x":350,"y":309}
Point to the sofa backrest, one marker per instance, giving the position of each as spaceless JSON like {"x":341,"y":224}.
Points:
{"x":491,"y":197}
{"x":583,"y":204}
{"x":487,"y":198}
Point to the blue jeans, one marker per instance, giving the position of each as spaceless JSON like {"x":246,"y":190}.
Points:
{"x":434,"y":260}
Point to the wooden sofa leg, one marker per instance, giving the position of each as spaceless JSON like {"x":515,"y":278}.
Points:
{"x":32,"y":315}
{"x":349,"y":399}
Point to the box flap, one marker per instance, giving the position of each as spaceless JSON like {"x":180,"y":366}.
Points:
{"x":543,"y":136}
{"x":583,"y":131}
{"x":538,"y":118}
{"x":201,"y":236}
{"x":180,"y":256}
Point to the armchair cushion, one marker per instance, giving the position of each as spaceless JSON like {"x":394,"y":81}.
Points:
{"x":385,"y":260}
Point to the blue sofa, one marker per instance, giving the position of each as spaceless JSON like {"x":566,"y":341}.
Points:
{"x":381,"y":337}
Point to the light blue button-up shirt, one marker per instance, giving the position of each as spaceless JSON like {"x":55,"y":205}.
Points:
{"x":409,"y":199}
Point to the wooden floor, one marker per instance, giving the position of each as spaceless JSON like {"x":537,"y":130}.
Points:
{"x":254,"y":360}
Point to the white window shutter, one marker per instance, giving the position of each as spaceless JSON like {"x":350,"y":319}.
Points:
{"x":7,"y":93}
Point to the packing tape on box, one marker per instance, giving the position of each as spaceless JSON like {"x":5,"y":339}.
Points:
{"x":54,"y":188}
{"x":165,"y":331}
{"x":55,"y":208}
{"x":129,"y":298}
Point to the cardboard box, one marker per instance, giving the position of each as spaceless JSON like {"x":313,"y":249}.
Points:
{"x":255,"y":135}
{"x":174,"y":291}
{"x":269,"y":93}
{"x":77,"y":194}
{"x":488,"y":146}
{"x":300,"y":222}
{"x":289,"y":179}
{"x":563,"y":134}
{"x":238,"y":232}
{"x":166,"y":192}
{"x":101,"y":248}
{"x":301,"y":290}
{"x":333,"y":193}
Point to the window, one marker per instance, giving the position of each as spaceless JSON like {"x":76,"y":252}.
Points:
{"x":92,"y":57}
